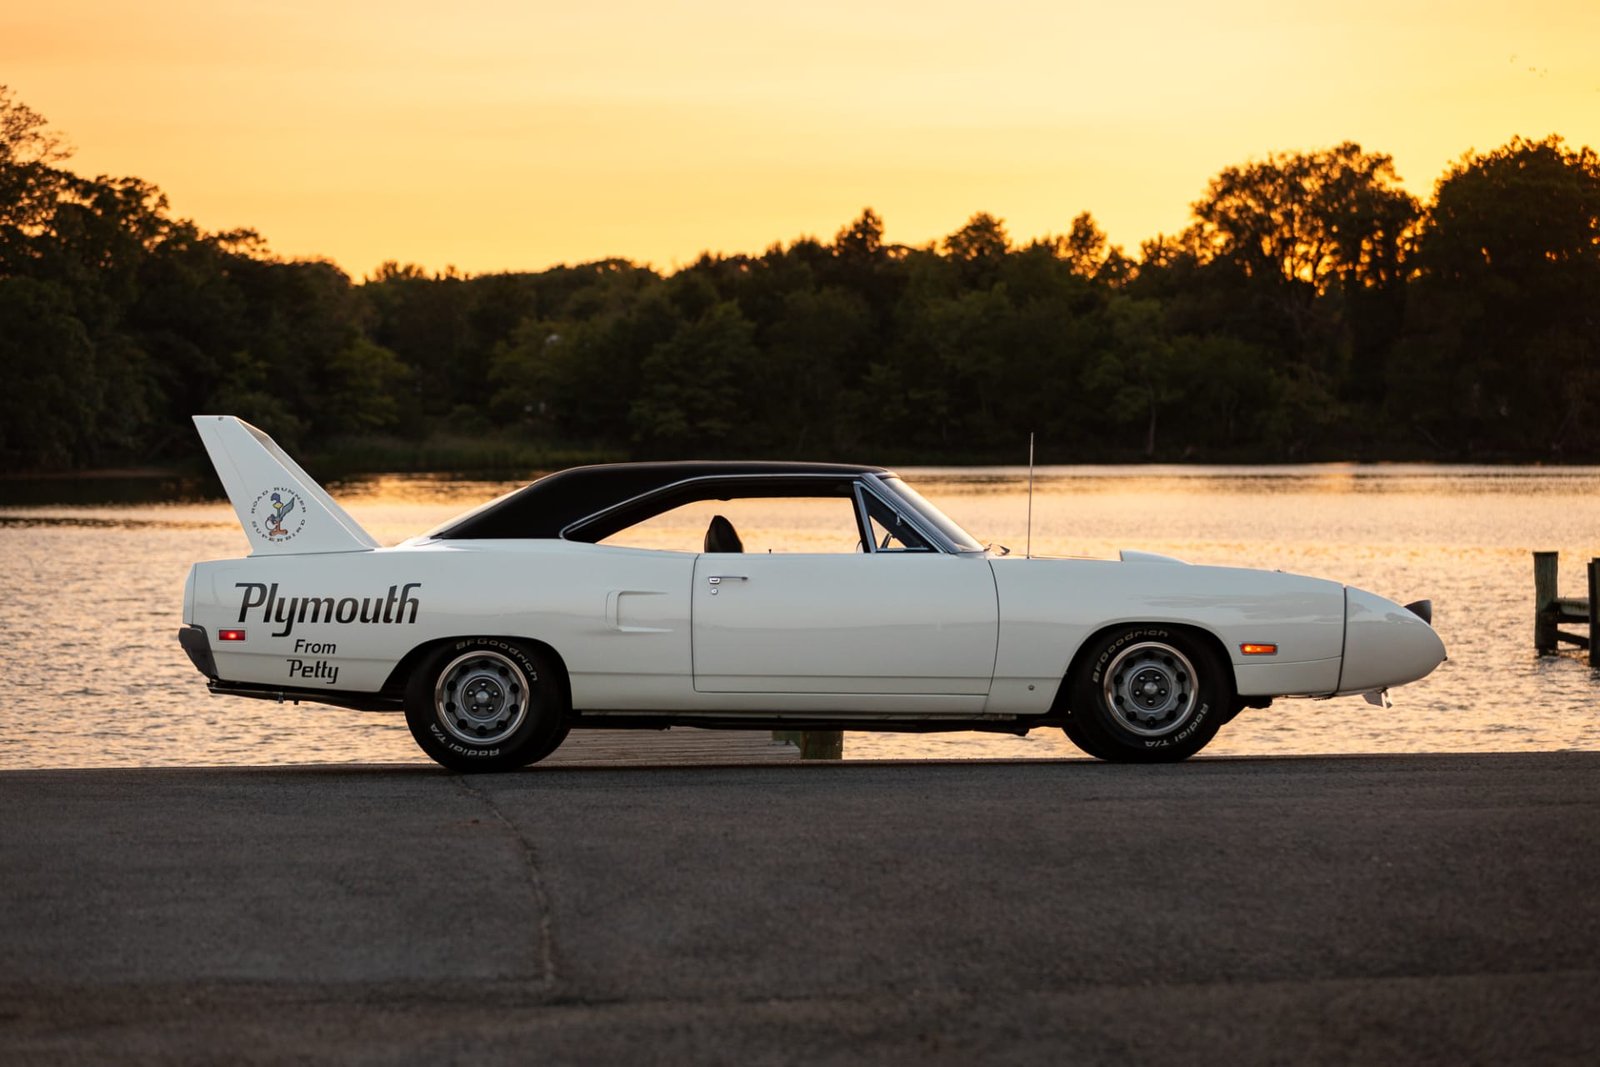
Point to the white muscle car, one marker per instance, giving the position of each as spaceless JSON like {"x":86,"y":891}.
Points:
{"x":548,"y":609}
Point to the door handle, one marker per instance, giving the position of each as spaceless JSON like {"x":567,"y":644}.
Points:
{"x":716,"y":580}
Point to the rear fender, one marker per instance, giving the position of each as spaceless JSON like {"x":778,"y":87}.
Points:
{"x":395,"y":684}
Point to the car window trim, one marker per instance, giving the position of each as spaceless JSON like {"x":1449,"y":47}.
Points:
{"x":864,"y":518}
{"x":672,"y":487}
{"x":883,"y":483}
{"x":874,"y":484}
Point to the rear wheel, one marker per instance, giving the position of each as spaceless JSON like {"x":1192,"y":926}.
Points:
{"x":486,"y":704}
{"x":1149,"y":694}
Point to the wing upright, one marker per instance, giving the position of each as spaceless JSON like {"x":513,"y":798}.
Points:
{"x":253,"y":469}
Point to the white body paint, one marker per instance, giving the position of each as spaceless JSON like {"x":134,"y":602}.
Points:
{"x":880,"y":636}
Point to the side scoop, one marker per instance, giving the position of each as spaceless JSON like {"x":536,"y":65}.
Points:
{"x":282,"y":509}
{"x":1384,"y":644}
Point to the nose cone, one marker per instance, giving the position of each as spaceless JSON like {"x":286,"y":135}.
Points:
{"x":1384,"y":644}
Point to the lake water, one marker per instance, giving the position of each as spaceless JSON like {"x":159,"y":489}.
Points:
{"x":93,"y":676}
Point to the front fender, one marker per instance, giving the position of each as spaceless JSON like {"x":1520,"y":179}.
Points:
{"x":1048,"y":608}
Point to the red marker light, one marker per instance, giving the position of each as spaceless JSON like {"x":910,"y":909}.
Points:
{"x":1259,"y":650}
{"x":230,"y":635}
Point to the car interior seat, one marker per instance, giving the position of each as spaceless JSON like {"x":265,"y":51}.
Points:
{"x":722,"y":537}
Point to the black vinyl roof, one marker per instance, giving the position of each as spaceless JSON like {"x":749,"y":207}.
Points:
{"x":561,"y":500}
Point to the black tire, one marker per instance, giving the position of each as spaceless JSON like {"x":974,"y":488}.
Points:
{"x":1149,"y":694}
{"x":486,"y":704}
{"x":534,"y":755}
{"x":1070,"y":726}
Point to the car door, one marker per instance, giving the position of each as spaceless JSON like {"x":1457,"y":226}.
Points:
{"x":865,"y":623}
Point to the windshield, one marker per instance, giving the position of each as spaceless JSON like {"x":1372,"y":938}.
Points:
{"x":938,"y":519}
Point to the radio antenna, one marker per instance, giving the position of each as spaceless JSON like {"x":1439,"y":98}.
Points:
{"x":1028,"y":551}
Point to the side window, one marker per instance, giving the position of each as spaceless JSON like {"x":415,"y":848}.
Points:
{"x":759,"y":524}
{"x":891,"y":533}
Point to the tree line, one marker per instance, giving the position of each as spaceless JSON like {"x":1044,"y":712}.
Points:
{"x":1312,"y":309}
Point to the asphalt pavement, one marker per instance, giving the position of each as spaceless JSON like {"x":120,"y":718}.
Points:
{"x":1437,"y":909}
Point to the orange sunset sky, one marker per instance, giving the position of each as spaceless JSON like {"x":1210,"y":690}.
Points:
{"x":502,"y":135}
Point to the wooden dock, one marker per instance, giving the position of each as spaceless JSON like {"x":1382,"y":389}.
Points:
{"x":680,"y":746}
{"x":1551,"y":610}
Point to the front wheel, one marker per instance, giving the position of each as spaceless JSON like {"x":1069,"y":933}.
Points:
{"x":486,"y":704}
{"x":1149,"y":694}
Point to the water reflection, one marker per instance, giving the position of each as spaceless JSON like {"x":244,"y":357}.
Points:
{"x":1321,"y":478}
{"x":94,"y":522}
{"x":94,"y":580}
{"x":108,"y":489}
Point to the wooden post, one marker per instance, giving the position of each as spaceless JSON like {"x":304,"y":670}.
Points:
{"x":822,"y":744}
{"x":1594,"y":612}
{"x":814,"y":744}
{"x":1545,"y":565}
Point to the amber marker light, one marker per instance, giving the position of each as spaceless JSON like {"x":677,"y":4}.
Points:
{"x":238,"y":635}
{"x":1259,"y":650}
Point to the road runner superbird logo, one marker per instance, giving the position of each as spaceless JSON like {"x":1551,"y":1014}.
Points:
{"x":277,"y":515}
{"x":286,"y":611}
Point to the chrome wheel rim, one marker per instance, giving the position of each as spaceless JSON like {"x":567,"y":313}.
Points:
{"x":1151,"y":689}
{"x":481,"y":698}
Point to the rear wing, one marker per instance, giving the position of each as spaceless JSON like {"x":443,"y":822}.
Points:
{"x":283,"y":511}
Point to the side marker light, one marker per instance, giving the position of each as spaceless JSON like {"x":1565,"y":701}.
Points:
{"x":230,"y":635}
{"x":1259,"y":650}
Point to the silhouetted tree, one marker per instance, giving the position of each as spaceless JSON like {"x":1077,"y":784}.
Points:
{"x":1305,"y":313}
{"x":862,"y":239}
{"x":1318,"y":238}
{"x":1504,"y":352}
{"x":979,"y":248}
{"x":692,"y":385}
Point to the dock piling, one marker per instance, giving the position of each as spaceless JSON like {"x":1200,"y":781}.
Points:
{"x":1550,"y":610}
{"x":814,"y":744}
{"x":1594,"y":612}
{"x":1545,"y":567}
